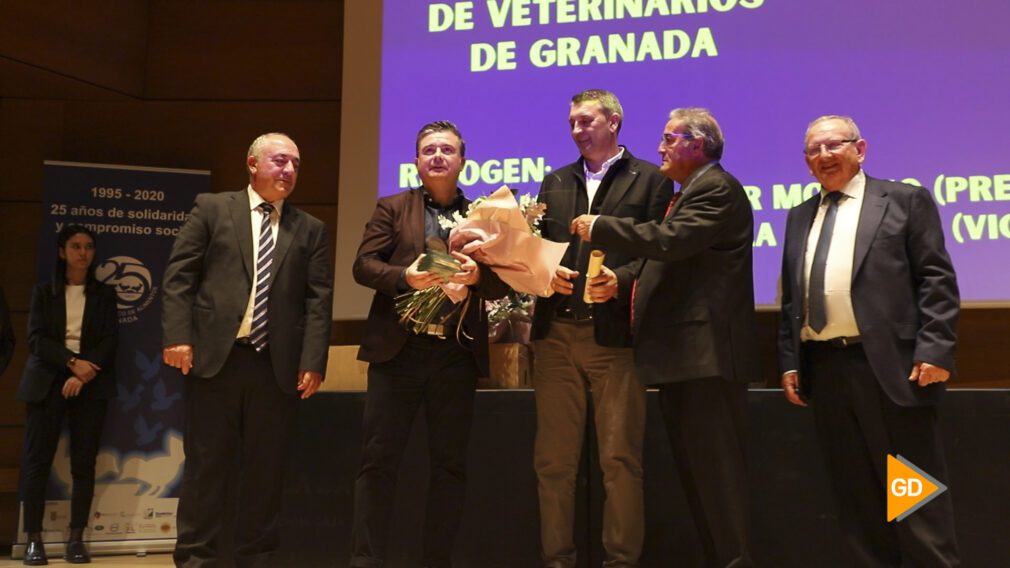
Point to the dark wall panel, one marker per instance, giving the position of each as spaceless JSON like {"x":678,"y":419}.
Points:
{"x":206,"y":135}
{"x":245,"y":50}
{"x":102,"y":42}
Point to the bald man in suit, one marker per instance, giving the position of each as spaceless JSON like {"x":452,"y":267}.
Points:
{"x":246,"y":316}
{"x":869,"y":314}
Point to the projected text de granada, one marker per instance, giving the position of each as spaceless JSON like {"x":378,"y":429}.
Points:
{"x":597,"y":50}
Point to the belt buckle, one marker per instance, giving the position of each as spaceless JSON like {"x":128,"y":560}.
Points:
{"x":843,"y":342}
{"x":435,"y":330}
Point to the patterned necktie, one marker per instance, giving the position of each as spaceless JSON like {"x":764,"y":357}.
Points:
{"x":817,"y":313}
{"x":264,"y":264}
{"x":634,"y":283}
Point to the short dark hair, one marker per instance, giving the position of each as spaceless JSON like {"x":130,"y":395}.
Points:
{"x":608,"y":102}
{"x":439,"y":126}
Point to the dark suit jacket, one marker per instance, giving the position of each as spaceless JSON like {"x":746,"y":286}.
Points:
{"x":904,"y":291}
{"x":636,"y":190}
{"x":6,"y":334}
{"x":393,"y":239}
{"x":48,"y":354}
{"x":694,"y":306}
{"x":209,"y":278}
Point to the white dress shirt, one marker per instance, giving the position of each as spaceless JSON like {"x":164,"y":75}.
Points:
{"x":594,"y":179}
{"x":74,"y":295}
{"x":841,"y":321}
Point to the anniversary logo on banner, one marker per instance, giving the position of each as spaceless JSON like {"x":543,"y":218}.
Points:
{"x":136,"y":213}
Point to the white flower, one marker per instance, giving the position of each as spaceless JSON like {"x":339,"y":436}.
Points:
{"x":449,"y":223}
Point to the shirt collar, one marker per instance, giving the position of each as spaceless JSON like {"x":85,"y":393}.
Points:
{"x":603,"y":168}
{"x":255,"y":200}
{"x":696,"y":174}
{"x":852,"y":190}
{"x":456,"y":202}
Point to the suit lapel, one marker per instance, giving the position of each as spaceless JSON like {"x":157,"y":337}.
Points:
{"x":286,"y":231}
{"x":90,"y":305}
{"x":239,"y":210}
{"x":59,"y":315}
{"x":805,"y":214}
{"x":578,"y":183}
{"x":620,"y":182}
{"x":870,"y":215}
{"x":414,"y":217}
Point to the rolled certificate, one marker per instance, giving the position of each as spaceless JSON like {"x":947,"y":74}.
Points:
{"x":595,"y":264}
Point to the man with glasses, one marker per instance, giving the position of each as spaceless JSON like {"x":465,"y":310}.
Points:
{"x":694,"y":325}
{"x":580,"y":345}
{"x":869,"y":311}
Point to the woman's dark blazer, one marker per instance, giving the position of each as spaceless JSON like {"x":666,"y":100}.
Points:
{"x":48,"y":355}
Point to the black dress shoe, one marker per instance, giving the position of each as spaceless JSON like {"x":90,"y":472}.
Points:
{"x":35,"y":554}
{"x":76,"y":553}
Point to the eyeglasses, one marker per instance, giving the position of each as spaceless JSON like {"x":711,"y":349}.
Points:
{"x":831,"y":147}
{"x":670,"y":138}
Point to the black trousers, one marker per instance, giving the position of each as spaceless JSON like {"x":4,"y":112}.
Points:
{"x":857,"y":426}
{"x":706,"y":422}
{"x":43,"y":425}
{"x":441,"y":376}
{"x":238,"y":416}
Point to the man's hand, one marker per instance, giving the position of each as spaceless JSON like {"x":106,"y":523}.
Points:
{"x":582,"y":225}
{"x":72,"y":387}
{"x":420,"y":279}
{"x":84,"y":370}
{"x":791,"y":388}
{"x":603,"y":287}
{"x":308,"y":383}
{"x":179,"y":356}
{"x":562,"y":281}
{"x":927,"y":373}
{"x":469,"y":272}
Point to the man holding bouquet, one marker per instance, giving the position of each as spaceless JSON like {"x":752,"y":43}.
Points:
{"x":580,"y":345}
{"x":435,"y":365}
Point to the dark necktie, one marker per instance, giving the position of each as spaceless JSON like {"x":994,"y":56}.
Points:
{"x":264,"y":264}
{"x":818,"y":317}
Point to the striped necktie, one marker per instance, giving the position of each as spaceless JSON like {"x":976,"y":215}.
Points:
{"x":264,"y":267}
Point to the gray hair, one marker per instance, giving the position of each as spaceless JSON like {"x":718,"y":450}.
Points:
{"x":847,"y":120}
{"x":257,"y":145}
{"x":700,"y":124}
{"x":608,"y":102}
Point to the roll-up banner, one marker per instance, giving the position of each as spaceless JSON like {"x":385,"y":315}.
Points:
{"x":135,"y":213}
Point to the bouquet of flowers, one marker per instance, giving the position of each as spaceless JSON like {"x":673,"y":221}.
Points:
{"x":499,"y":232}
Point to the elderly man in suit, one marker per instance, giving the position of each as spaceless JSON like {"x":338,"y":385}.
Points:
{"x":436,"y":368}
{"x":247,"y":310}
{"x":694,"y":325}
{"x":869,"y":310}
{"x":582,"y":346}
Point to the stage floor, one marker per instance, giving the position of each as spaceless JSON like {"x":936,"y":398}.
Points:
{"x":122,"y":561}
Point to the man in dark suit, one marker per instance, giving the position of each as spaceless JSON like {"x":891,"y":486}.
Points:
{"x":246,"y":307}
{"x":580,"y":345}
{"x":436,"y":368}
{"x":869,"y":310}
{"x":694,"y":326}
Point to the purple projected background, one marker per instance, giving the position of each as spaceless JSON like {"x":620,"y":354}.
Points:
{"x":927,"y":82}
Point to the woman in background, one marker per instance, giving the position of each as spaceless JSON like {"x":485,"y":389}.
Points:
{"x":72,"y":336}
